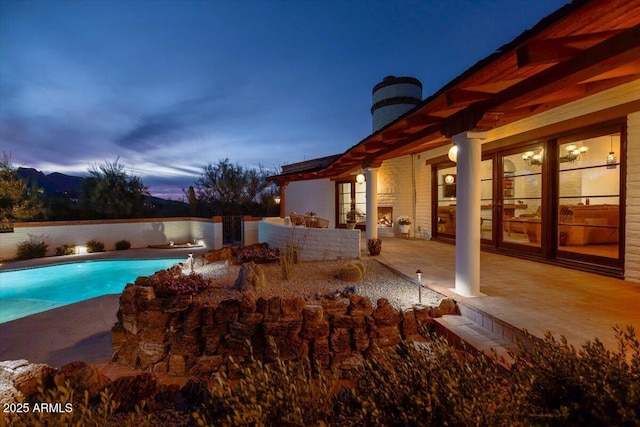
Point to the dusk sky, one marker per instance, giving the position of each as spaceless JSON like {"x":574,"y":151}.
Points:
{"x":168,"y":86}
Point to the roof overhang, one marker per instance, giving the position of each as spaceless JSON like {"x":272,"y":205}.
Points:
{"x":581,"y":49}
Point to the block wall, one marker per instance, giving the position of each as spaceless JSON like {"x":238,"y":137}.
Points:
{"x":316,"y":244}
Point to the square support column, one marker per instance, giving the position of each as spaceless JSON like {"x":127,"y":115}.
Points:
{"x":468,"y":201}
{"x":371,"y":176}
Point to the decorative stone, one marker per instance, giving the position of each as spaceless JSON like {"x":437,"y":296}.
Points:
{"x":151,"y":353}
{"x":82,"y":376}
{"x":333,"y":307}
{"x":409,"y":324}
{"x":207,"y":365}
{"x":347,"y":321}
{"x":247,"y":302}
{"x":227,"y":311}
{"x":25,"y":377}
{"x":250,"y":278}
{"x":223,"y":254}
{"x":292,"y":307}
{"x":320,"y":352}
{"x":314,"y":325}
{"x":360,"y":305}
{"x":385,"y":314}
{"x":177,"y":365}
{"x":361,"y":340}
{"x":447,"y":306}
{"x":340,"y":340}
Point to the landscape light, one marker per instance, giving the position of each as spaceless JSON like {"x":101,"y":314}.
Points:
{"x":419,"y":274}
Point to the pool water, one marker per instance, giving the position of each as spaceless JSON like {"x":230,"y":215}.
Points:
{"x":33,"y":290}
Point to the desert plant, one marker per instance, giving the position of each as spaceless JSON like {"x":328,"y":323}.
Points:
{"x":287,"y":259}
{"x":374,"y":246}
{"x":591,"y":386}
{"x":95,"y":246}
{"x":122,"y":245}
{"x":432,"y":386}
{"x":29,"y":249}
{"x":65,"y":250}
{"x":172,"y":282}
{"x":271,"y":394}
{"x":350,"y":272}
{"x":360,"y":265}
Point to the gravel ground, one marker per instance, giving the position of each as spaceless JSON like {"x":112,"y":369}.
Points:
{"x":311,"y":280}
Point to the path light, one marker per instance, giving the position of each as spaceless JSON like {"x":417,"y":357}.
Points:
{"x":191,"y":261}
{"x":419,"y":274}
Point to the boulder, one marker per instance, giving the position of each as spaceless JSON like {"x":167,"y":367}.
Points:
{"x":21,"y":378}
{"x":82,"y":376}
{"x":385,"y":314}
{"x":223,"y":254}
{"x":250,"y":278}
{"x":132,"y":390}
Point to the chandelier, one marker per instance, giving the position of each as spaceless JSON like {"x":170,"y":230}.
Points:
{"x":533,"y":158}
{"x":573,"y":153}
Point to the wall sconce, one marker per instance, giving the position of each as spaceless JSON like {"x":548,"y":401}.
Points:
{"x":419,"y":274}
{"x":533,"y":158}
{"x":612,"y":161}
{"x":453,"y":154}
{"x":360,"y":178}
{"x":573,"y":153}
{"x":276,"y":199}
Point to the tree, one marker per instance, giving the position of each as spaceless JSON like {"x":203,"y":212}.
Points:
{"x":18,"y":202}
{"x":231,"y":189}
{"x":109,"y":192}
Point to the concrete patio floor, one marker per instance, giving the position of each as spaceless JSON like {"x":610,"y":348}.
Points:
{"x":523,"y":294}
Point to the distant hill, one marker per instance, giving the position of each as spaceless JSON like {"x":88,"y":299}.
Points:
{"x":57,"y":183}
{"x":54,"y":183}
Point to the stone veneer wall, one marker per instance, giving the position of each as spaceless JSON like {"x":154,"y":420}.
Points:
{"x":181,"y":337}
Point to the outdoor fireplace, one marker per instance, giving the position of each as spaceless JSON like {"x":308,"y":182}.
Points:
{"x":385,"y":216}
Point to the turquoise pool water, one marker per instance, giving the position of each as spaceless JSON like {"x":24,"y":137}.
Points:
{"x":30,"y":291}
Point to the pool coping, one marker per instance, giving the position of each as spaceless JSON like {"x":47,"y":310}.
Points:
{"x":129,"y":254}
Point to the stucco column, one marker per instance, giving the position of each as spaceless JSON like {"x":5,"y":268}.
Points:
{"x":371,"y":177}
{"x":468,"y":212}
{"x":283,"y":204}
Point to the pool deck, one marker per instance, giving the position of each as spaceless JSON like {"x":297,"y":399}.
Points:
{"x":520,"y":294}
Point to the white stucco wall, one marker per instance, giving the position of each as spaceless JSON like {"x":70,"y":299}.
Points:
{"x":317,"y":195}
{"x":140,"y":233}
{"x":315,"y":244}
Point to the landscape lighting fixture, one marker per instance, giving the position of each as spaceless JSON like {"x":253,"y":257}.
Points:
{"x":419,"y":274}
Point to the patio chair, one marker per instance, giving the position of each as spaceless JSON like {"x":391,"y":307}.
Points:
{"x":296,"y":219}
{"x":322,"y":223}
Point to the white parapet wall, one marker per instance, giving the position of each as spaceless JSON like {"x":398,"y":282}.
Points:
{"x":139,"y":232}
{"x":315,"y":244}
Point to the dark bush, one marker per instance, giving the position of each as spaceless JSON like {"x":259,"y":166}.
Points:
{"x":65,"y":250}
{"x":95,"y":246}
{"x":122,"y":245}
{"x":29,"y":249}
{"x":591,"y":386}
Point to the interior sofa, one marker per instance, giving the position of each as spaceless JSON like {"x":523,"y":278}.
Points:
{"x":589,"y":224}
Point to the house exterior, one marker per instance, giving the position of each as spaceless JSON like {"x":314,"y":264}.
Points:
{"x":547,"y":133}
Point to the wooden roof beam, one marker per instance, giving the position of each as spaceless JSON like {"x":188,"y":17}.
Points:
{"x":463,"y":97}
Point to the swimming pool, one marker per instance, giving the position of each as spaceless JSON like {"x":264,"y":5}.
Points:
{"x":30,"y":291}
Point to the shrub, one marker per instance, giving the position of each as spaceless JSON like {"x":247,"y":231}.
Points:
{"x":271,"y":394}
{"x":122,"y":245}
{"x":592,"y":386}
{"x":433,"y":386}
{"x":95,"y":246}
{"x":287,"y":259}
{"x":65,"y":250}
{"x":30,"y":249}
{"x":172,"y":282}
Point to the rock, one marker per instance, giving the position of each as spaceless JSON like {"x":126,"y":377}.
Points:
{"x":320,"y":352}
{"x":82,"y":376}
{"x":19,"y":378}
{"x":360,"y":305}
{"x":250,"y":278}
{"x":207,"y":365}
{"x":447,"y":306}
{"x":340,"y":341}
{"x":385,"y":314}
{"x":223,"y":254}
{"x":248,"y":302}
{"x":409,"y":324}
{"x":292,"y":307}
{"x":314,"y":324}
{"x":132,"y":390}
{"x":227,"y":311}
{"x":177,"y":365}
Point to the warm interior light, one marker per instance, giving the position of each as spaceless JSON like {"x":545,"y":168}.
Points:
{"x":570,"y":148}
{"x":360,"y":178}
{"x":583,"y":149}
{"x":453,"y":153}
{"x":81,"y":249}
{"x":276,"y":199}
